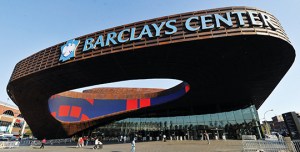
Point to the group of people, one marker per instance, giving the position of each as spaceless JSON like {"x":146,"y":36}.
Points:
{"x":83,"y":141}
{"x":123,"y":139}
{"x":98,"y":144}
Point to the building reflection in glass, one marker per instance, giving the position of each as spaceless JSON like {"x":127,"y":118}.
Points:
{"x":231,"y":125}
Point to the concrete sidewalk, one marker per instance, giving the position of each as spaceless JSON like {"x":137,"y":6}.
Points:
{"x":158,"y":146}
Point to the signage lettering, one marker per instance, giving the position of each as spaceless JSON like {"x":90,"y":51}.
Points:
{"x":203,"y":23}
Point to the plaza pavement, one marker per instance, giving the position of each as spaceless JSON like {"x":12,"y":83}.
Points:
{"x":157,"y":146}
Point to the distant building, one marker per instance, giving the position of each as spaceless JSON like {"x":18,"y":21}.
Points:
{"x":267,"y":127}
{"x":11,"y":120}
{"x":278,"y":118}
{"x":278,"y":124}
{"x":292,"y":122}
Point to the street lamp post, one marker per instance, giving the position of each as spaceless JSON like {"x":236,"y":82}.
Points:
{"x":266,"y":128}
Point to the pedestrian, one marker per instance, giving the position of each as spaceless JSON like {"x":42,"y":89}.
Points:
{"x":87,"y":141}
{"x":278,"y":136}
{"x":125,"y":138}
{"x":164,"y":138}
{"x":207,"y":137}
{"x":84,"y":140}
{"x":43,"y":143}
{"x":133,"y":145}
{"x":96,"y":143}
{"x":79,"y":142}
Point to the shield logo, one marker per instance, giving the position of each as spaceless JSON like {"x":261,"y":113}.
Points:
{"x":68,"y":50}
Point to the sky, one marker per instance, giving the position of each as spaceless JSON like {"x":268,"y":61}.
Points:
{"x":28,"y":26}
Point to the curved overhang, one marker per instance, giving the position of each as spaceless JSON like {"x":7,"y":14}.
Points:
{"x":231,"y":58}
{"x":107,"y":102}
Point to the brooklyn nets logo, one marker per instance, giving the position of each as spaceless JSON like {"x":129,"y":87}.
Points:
{"x":68,"y":50}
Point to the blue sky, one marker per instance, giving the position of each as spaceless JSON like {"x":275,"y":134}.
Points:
{"x":29,"y":26}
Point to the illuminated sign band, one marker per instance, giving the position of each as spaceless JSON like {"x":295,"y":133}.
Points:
{"x":204,"y":23}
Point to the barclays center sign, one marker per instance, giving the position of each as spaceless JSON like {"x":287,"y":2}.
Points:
{"x":204,"y":23}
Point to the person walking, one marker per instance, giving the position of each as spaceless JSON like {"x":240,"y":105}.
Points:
{"x":121,"y":138}
{"x":96,"y":143}
{"x":84,"y":140}
{"x":125,"y":138}
{"x":133,"y":145}
{"x":43,"y":143}
{"x":79,"y":142}
{"x":207,"y":137}
{"x":87,"y":141}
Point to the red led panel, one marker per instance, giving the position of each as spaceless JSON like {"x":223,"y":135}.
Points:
{"x":144,"y":103}
{"x":131,"y":104}
{"x":84,"y":117}
{"x":91,"y":101}
{"x":53,"y":114}
{"x":75,"y":111}
{"x":63,"y":111}
{"x":187,"y":88}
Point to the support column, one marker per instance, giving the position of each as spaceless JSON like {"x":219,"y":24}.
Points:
{"x":23,"y":129}
{"x":12,"y":125}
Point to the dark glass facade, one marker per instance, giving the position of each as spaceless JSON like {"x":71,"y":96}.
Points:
{"x":231,"y":125}
{"x":292,"y":122}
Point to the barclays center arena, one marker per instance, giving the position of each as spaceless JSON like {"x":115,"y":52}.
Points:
{"x":229,"y":60}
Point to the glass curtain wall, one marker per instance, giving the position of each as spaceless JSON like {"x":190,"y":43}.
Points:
{"x":229,"y":125}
